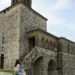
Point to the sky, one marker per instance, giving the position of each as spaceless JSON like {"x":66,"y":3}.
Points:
{"x":60,"y":15}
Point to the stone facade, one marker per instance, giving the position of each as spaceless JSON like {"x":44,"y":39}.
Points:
{"x":9,"y":29}
{"x":4,"y":73}
{"x":38,"y":61}
{"x":24,"y":36}
{"x":29,"y":20}
{"x":13,"y":28}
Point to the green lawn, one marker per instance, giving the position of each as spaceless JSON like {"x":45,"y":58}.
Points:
{"x":9,"y":71}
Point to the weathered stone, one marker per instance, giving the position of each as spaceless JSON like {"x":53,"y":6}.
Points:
{"x":4,"y":73}
{"x":24,"y":36}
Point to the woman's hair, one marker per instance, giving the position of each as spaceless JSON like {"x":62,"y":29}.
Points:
{"x":17,"y":62}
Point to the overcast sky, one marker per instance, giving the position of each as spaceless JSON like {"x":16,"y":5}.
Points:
{"x":60,"y":15}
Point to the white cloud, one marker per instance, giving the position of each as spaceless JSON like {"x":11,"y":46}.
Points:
{"x":50,"y":15}
{"x":72,"y":27}
{"x":53,"y":20}
{"x":60,"y":28}
{"x":62,"y":4}
{"x":6,"y":2}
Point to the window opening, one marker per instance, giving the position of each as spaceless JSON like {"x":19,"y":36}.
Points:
{"x":2,"y":40}
{"x":13,"y":1}
{"x":2,"y":61}
{"x":28,"y":2}
{"x":31,"y":43}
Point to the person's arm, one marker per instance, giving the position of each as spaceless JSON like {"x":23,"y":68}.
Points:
{"x":20,"y":70}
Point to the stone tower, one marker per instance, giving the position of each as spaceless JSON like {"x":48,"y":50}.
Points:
{"x":26,"y":2}
{"x":15,"y":22}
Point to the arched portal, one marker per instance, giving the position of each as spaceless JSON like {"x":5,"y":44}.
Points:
{"x":2,"y":61}
{"x":52,"y":69}
{"x":38,"y":66}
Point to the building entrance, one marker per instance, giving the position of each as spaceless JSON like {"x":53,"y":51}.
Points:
{"x":31,"y":43}
{"x":2,"y":61}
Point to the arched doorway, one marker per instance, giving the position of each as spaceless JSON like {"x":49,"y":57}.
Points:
{"x":52,"y":69}
{"x":2,"y":61}
{"x":38,"y":66}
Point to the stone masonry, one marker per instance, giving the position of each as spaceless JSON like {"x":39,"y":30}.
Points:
{"x":24,"y":36}
{"x":4,"y":73}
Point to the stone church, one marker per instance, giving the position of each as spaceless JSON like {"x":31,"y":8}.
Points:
{"x":24,"y":36}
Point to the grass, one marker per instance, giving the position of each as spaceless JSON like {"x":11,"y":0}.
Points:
{"x":9,"y":71}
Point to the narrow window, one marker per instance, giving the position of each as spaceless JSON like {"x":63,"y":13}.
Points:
{"x":54,"y":47}
{"x":23,"y":1}
{"x":28,"y":2}
{"x":46,"y":45}
{"x":13,"y":1}
{"x":42,"y":42}
{"x":50,"y":46}
{"x":2,"y":40}
{"x":68,"y":47}
{"x":16,"y":1}
{"x":2,"y":61}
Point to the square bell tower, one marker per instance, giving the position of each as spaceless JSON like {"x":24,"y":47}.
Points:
{"x":26,"y":2}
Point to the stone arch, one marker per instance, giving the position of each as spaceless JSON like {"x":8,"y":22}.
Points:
{"x":2,"y":61}
{"x":52,"y":68}
{"x":38,"y":66}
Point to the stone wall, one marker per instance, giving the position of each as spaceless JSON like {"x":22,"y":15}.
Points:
{"x":4,"y":73}
{"x":42,"y":58}
{"x":14,"y":27}
{"x":67,"y":46}
{"x":9,"y":29}
{"x":29,"y":20}
{"x":44,"y":39}
{"x":47,"y":41}
{"x":66,"y":57}
{"x":14,"y":22}
{"x":68,"y":62}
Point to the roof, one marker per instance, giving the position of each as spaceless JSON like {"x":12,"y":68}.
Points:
{"x":66,"y":39}
{"x":51,"y":35}
{"x":10,"y":7}
{"x":43,"y":32}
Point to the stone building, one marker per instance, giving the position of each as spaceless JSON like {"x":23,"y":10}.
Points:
{"x":24,"y":36}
